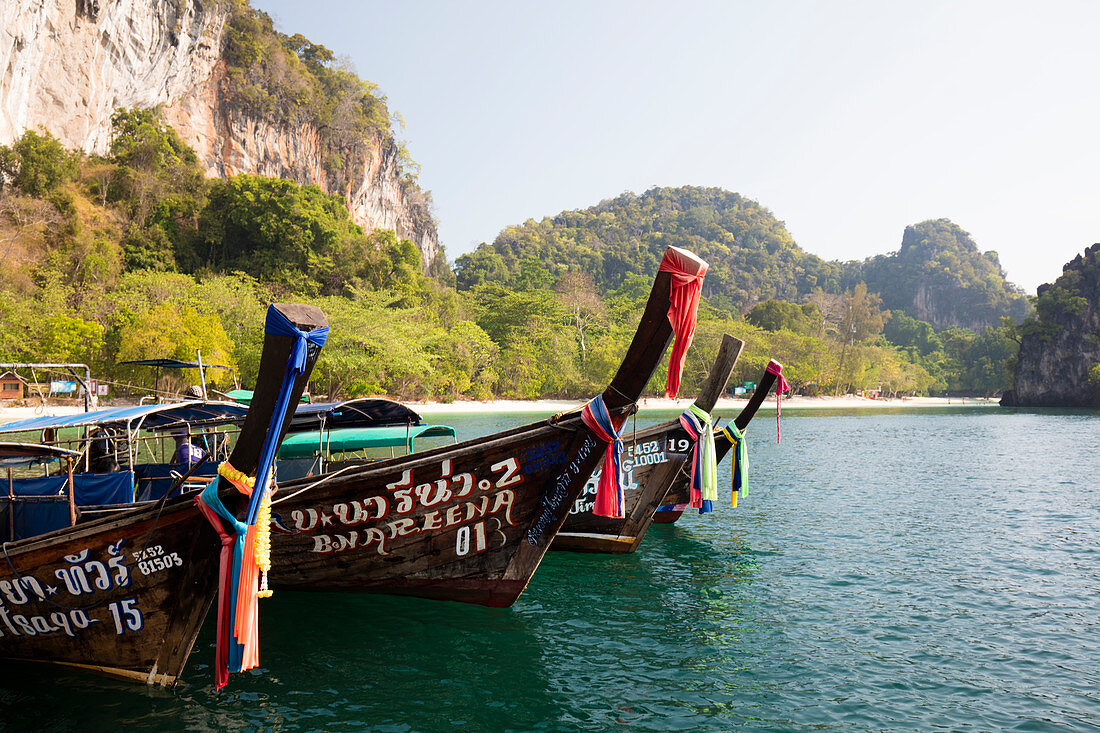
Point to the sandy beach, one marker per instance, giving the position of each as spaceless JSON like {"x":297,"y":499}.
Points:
{"x":9,"y":414}
{"x":661,"y":404}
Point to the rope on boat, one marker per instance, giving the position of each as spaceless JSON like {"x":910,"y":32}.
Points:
{"x":315,"y":484}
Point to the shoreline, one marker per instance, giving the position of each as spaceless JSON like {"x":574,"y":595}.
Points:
{"x":660,"y":404}
{"x":651,"y":404}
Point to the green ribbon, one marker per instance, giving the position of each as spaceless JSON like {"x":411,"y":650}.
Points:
{"x":741,"y":458}
{"x":709,"y":464}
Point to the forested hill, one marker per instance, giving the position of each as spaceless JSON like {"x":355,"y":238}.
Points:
{"x":939,"y":276}
{"x":751,"y":254}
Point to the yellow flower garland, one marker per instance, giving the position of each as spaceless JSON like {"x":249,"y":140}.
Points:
{"x":237,"y":477}
{"x":263,"y":523}
{"x":263,"y":543}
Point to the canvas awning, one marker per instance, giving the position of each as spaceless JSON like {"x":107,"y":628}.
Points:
{"x":148,"y":417}
{"x":173,"y":364}
{"x":308,"y":444}
{"x":365,"y":412}
{"x":244,"y":396}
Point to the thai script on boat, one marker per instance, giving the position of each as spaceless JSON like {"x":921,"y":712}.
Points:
{"x":452,"y":499}
{"x":79,"y":576}
{"x":551,"y":503}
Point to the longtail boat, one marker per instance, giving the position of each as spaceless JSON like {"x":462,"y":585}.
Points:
{"x":471,"y":521}
{"x":653,"y":459}
{"x":126,"y":592}
{"x":678,"y":497}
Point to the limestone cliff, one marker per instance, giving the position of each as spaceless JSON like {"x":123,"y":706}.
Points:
{"x":941,"y":277}
{"x":1061,"y":345}
{"x":66,"y":65}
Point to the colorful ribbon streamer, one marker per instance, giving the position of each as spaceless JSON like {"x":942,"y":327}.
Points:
{"x":237,"y":644}
{"x":740,"y":482}
{"x":704,"y":466}
{"x":687,"y":283}
{"x":781,"y":386}
{"x":610,"y":501}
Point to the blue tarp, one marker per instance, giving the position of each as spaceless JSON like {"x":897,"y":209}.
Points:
{"x":41,"y":505}
{"x":155,"y":479}
{"x":45,"y":486}
{"x":90,"y":489}
{"x":37,"y":516}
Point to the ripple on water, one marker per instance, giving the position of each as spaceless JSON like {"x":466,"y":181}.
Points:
{"x":912,"y":571}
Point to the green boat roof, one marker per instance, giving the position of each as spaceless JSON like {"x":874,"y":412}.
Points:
{"x":305,"y":445}
{"x":244,"y":396}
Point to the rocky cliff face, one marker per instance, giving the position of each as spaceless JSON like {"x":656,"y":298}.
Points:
{"x":66,"y":65}
{"x":1060,"y":347}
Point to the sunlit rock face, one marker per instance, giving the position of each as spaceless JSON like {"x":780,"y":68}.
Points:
{"x":66,"y":65}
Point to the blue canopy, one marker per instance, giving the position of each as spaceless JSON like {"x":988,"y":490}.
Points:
{"x":367,"y":412}
{"x":173,"y":364}
{"x":148,"y":417}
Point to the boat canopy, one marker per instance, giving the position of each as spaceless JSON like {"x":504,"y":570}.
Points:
{"x":25,"y":454}
{"x":366,"y":412}
{"x":305,"y":445}
{"x":172,"y":364}
{"x":147,"y":417}
{"x":244,"y":396}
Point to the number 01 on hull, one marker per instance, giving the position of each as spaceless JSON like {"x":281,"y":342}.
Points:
{"x":467,"y":522}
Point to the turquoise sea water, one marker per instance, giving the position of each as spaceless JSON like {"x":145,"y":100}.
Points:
{"x":917,"y":570}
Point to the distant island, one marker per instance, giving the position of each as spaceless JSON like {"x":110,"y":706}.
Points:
{"x":1059,"y":357}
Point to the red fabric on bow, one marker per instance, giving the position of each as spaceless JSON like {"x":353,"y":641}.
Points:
{"x":687,"y":272}
{"x":225,"y":559}
{"x":610,"y":501}
{"x":781,"y":386}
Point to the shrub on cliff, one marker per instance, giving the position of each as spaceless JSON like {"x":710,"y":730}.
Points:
{"x":36,"y":164}
{"x":158,"y":182}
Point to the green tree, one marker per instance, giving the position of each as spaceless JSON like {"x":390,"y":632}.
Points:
{"x":774,"y":315}
{"x":36,"y":163}
{"x":276,"y":230}
{"x":159,"y":184}
{"x":168,"y":330}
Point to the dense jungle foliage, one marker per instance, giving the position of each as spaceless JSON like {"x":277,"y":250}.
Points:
{"x":751,"y":254}
{"x":137,"y":256}
{"x":938,"y":275}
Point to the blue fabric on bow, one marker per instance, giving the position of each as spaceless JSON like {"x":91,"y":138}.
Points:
{"x":610,"y":500}
{"x":279,"y":325}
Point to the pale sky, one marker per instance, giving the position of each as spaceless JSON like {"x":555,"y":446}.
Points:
{"x":848,"y":120}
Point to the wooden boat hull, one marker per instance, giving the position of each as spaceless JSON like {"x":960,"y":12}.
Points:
{"x":652,"y":460}
{"x":679,"y":493}
{"x":125,"y":596}
{"x":468,"y":522}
